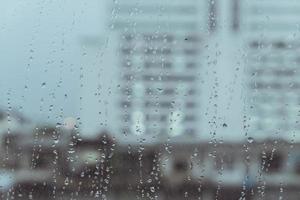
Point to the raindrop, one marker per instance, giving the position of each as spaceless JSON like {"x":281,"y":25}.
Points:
{"x":152,"y":189}
{"x":66,"y":181}
{"x":250,"y":140}
{"x":71,"y":151}
{"x":160,"y":89}
{"x":58,"y":125}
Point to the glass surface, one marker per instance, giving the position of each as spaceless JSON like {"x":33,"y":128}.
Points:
{"x":158,"y":99}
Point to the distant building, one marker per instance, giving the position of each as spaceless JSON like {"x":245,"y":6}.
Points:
{"x":188,"y":67}
{"x":159,"y":63}
{"x":271,"y":34}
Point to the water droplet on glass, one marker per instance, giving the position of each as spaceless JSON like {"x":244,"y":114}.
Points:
{"x":160,"y":89}
{"x":152,"y":189}
{"x":250,"y":140}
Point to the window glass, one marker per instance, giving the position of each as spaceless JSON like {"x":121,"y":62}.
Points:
{"x":157,"y":99}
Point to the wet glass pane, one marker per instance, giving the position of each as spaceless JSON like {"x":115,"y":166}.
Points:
{"x":158,"y":99}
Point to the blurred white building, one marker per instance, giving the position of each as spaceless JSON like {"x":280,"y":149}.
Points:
{"x":159,"y":60}
{"x":270,"y":34}
{"x":207,"y":69}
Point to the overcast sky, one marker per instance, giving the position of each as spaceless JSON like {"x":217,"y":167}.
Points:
{"x":41,"y":54}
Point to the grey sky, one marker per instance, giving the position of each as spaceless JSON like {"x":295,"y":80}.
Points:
{"x":41,"y":54}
